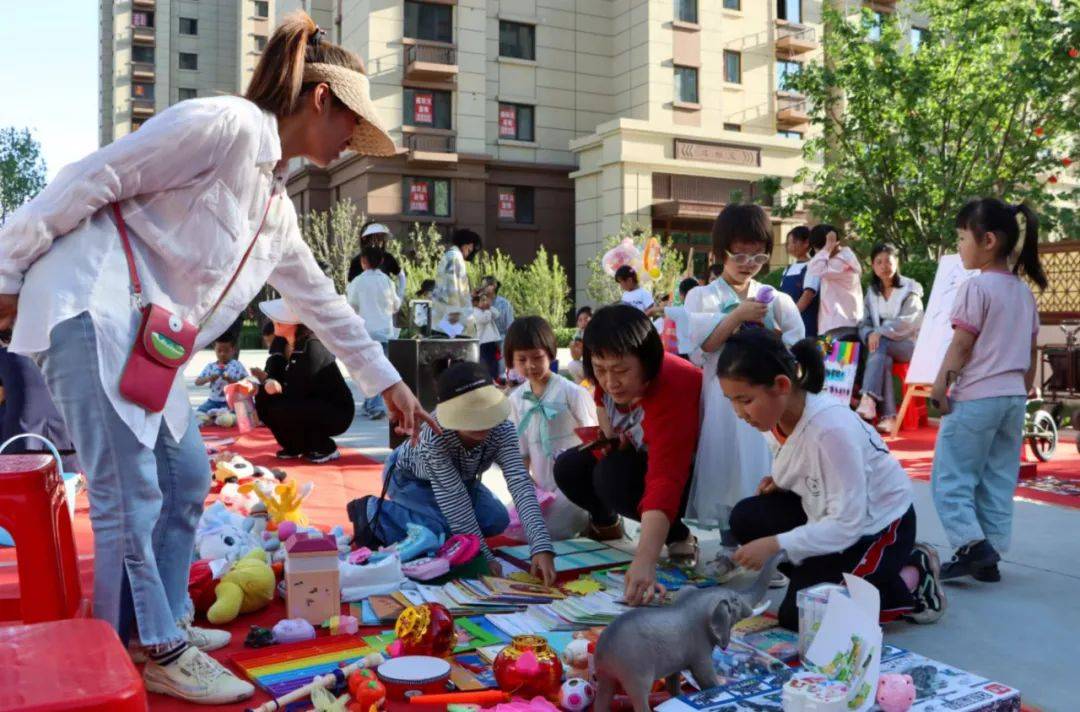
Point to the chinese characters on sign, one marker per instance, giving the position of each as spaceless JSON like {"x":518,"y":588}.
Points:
{"x":506,"y":204}
{"x":418,"y":198}
{"x":507,"y":122}
{"x":422,"y":108}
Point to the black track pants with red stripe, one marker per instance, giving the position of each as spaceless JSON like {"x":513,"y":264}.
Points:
{"x":877,"y":558}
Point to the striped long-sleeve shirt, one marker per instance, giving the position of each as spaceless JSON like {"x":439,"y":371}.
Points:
{"x":451,"y":467}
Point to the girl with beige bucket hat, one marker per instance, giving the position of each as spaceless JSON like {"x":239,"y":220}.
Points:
{"x":199,"y":193}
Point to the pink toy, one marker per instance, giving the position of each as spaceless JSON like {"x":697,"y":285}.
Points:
{"x":460,"y":549}
{"x":240,"y":397}
{"x":515,"y":530}
{"x":360,"y":556}
{"x":576,"y":695}
{"x":537,"y":704}
{"x":895,"y":693}
{"x":285,"y":530}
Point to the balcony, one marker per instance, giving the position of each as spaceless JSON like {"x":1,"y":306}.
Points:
{"x":431,"y":148}
{"x":142,"y":108}
{"x":144,"y":4}
{"x":142,"y":35}
{"x":791,"y":111}
{"x":430,"y":62}
{"x":793,"y":40}
{"x":143,"y":71}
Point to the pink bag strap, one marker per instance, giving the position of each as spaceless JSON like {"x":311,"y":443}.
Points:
{"x":136,"y":285}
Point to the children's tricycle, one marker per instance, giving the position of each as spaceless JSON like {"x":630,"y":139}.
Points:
{"x":1040,"y":430}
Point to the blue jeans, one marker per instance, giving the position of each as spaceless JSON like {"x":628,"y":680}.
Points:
{"x":976,"y":465}
{"x":144,"y":504}
{"x":413,"y":501}
{"x":375,"y":406}
{"x":210,"y":404}
{"x":877,"y":377}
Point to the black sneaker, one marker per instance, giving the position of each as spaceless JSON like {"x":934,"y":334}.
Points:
{"x":968,"y":559}
{"x":284,"y":454}
{"x":363,"y":533}
{"x":930,"y":601}
{"x":319,"y":458}
{"x":987,"y":574}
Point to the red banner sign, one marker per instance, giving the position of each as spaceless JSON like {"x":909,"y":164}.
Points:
{"x":507,"y":122}
{"x":423,"y":108}
{"x":419,"y":200}
{"x":506,"y":204}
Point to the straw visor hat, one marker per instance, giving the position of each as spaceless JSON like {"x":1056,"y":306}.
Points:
{"x":468,"y":400}
{"x":353,"y":89}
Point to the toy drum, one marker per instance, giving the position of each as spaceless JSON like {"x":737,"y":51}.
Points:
{"x":413,"y":675}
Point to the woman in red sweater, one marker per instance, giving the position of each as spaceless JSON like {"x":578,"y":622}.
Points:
{"x":648,"y":406}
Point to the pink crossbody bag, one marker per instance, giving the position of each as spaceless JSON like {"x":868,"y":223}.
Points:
{"x":164,"y":341}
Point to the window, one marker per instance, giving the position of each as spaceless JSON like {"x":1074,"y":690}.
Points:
{"x":733,"y":4}
{"x":686,"y":10}
{"x":142,"y":19}
{"x":426,"y":196}
{"x":686,"y":86}
{"x":517,"y":40}
{"x":184,"y":94}
{"x":785,"y":70}
{"x":260,"y":43}
{"x":142,"y":92}
{"x":429,"y":22}
{"x":516,"y":122}
{"x":918,"y":35}
{"x":875,"y":28}
{"x":732,"y":67}
{"x":790,"y":10}
{"x":789,"y":134}
{"x":189,"y":26}
{"x":733,"y":127}
{"x":516,"y":204}
{"x":427,"y":108}
{"x":189,"y":60}
{"x":142,"y":53}
{"x":262,"y":8}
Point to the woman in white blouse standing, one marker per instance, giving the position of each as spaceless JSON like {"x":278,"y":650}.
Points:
{"x":194,"y":185}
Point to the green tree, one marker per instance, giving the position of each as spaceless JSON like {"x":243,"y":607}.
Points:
{"x":22,"y":169}
{"x":988,"y":104}
{"x":418,"y":254}
{"x":601,"y":287}
{"x":334,"y":237}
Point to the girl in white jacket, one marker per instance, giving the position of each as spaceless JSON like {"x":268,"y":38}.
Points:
{"x":837,"y":501}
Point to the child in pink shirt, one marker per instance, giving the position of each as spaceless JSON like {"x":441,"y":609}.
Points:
{"x":838,"y":268}
{"x":982,"y":386}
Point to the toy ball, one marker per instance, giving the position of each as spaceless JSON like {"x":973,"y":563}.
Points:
{"x":576,"y":695}
{"x":285,"y":530}
{"x":528,"y":668}
{"x":366,"y":689}
{"x":427,"y":629}
{"x":895,"y":693}
{"x":576,"y":653}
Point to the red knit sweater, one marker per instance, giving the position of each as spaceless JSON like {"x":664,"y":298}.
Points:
{"x":672,"y":418}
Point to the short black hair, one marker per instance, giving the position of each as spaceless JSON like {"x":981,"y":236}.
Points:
{"x":623,"y":330}
{"x":465,"y":236}
{"x":583,"y":310}
{"x":625,"y":272}
{"x":818,"y":234}
{"x":491,"y":281}
{"x":390,"y":265}
{"x":741,"y":222}
{"x":529,"y":332}
{"x":373,"y":255}
{"x":268,"y":328}
{"x":800,"y":233}
{"x":426,"y":286}
{"x":686,"y":285}
{"x":227,"y":338}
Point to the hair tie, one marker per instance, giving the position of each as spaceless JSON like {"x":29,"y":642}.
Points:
{"x":316,"y":37}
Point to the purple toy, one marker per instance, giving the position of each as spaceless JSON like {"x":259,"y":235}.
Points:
{"x":895,"y":693}
{"x":293,"y":630}
{"x":765,"y":295}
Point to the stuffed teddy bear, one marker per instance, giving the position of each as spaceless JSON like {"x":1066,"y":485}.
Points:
{"x":247,"y":587}
{"x":221,"y":534}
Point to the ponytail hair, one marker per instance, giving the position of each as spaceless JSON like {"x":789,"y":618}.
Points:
{"x":758,"y":356}
{"x":278,"y":81}
{"x":985,"y":215}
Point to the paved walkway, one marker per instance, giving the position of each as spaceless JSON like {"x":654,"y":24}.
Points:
{"x":1022,"y":632}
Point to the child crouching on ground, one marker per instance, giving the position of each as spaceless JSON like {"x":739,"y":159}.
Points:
{"x":224,"y":370}
{"x":436,"y":483}
{"x":837,"y":501}
{"x":546,"y":409}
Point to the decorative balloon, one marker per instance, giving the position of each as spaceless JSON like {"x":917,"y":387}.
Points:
{"x":650,"y":258}
{"x":625,"y":253}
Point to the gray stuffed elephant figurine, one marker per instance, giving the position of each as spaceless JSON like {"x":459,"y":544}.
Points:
{"x":647,"y":644}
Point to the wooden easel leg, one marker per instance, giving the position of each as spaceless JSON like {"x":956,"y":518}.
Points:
{"x":899,"y":421}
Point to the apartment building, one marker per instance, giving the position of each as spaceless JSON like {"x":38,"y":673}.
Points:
{"x":154,"y":53}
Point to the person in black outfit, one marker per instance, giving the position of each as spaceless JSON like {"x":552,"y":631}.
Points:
{"x":303,"y":399}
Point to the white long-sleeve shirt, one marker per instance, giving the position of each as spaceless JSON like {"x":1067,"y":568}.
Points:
{"x":849,"y":483}
{"x":193,"y":184}
{"x":374,"y":296}
{"x":841,"y":302}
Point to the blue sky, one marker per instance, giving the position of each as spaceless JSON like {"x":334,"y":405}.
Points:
{"x":48,"y":76}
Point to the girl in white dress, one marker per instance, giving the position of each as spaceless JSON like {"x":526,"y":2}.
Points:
{"x":546,"y":409}
{"x":732,"y":456}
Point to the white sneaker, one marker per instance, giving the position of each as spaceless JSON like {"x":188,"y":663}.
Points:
{"x":196,"y":677}
{"x":778,"y":580}
{"x":885,"y":425}
{"x":867,"y":409}
{"x":205,"y":639}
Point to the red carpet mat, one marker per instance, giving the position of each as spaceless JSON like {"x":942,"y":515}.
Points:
{"x":1057,"y":481}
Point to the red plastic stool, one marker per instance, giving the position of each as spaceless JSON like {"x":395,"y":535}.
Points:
{"x":34,"y":511}
{"x":916,"y":415}
{"x":76,"y":664}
